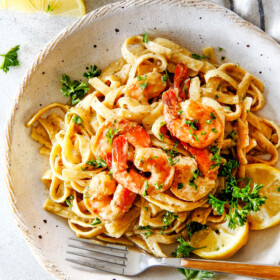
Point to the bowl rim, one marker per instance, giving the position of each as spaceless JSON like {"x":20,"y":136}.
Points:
{"x":40,"y":58}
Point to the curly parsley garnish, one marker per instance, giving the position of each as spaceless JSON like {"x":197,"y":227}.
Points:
{"x":193,"y":227}
{"x":192,"y":274}
{"x":10,"y":59}
{"x":93,"y":72}
{"x":216,"y":157}
{"x":75,"y":90}
{"x":184,"y":249}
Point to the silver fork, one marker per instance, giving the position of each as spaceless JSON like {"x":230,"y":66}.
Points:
{"x":117,"y":259}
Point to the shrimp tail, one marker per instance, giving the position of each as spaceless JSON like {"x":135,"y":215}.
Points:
{"x":181,"y":80}
{"x":170,"y":99}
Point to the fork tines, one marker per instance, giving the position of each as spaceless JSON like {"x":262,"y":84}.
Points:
{"x":109,"y":258}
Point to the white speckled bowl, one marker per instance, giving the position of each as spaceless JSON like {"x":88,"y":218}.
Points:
{"x":96,"y":39}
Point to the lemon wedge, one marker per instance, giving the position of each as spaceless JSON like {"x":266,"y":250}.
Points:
{"x":72,"y":8}
{"x":269,"y":177}
{"x":221,"y":243}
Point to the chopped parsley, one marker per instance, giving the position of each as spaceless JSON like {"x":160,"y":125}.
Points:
{"x":196,"y":56}
{"x":93,"y":72}
{"x":77,"y":120}
{"x":96,"y":222}
{"x":196,"y":173}
{"x":213,"y":117}
{"x":180,"y":186}
{"x":162,"y":123}
{"x":10,"y":59}
{"x":173,"y":151}
{"x":232,"y":134}
{"x":110,"y":134}
{"x":142,"y":85}
{"x":49,"y":8}
{"x":216,"y":96}
{"x":208,"y":121}
{"x":227,"y":167}
{"x":153,"y":157}
{"x":184,"y":249}
{"x":68,"y":200}
{"x":167,"y":219}
{"x":223,"y":58}
{"x":173,"y":161}
{"x":193,"y":135}
{"x":158,"y":187}
{"x":220,"y":49}
{"x":110,"y":173}
{"x":192,"y":124}
{"x":180,"y":112}
{"x":203,"y":133}
{"x":216,"y":157}
{"x":192,"y":274}
{"x":145,"y":38}
{"x":185,"y":89}
{"x":161,"y":137}
{"x":214,"y":130}
{"x":97,"y":163}
{"x":165,"y":76}
{"x":146,"y":186}
{"x":193,"y":227}
{"x":148,"y":229}
{"x":75,"y":90}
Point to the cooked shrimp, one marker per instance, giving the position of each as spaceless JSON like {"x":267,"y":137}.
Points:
{"x":150,"y":160}
{"x":106,"y":198}
{"x":189,"y":184}
{"x":181,"y":80}
{"x":190,"y":121}
{"x":146,"y":87}
{"x":136,"y":135}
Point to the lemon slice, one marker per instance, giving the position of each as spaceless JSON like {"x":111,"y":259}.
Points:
{"x":221,"y":243}
{"x":72,"y":8}
{"x":269,"y":177}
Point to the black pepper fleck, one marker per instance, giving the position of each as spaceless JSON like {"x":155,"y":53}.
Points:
{"x":40,"y":104}
{"x":62,"y":60}
{"x":248,"y":46}
{"x":117,"y":30}
{"x":45,"y":221}
{"x":260,"y":72}
{"x":87,"y":68}
{"x":56,"y":226}
{"x":200,"y":17}
{"x":34,"y":226}
{"x":40,"y":236}
{"x":95,"y":46}
{"x":43,"y":73}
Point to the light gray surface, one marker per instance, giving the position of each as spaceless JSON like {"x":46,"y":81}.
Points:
{"x":31,"y":32}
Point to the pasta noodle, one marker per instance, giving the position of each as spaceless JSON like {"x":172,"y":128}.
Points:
{"x":117,"y":157}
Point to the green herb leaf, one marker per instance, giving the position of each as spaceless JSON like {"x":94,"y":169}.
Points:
{"x":165,"y":76}
{"x":75,"y":90}
{"x":193,"y":135}
{"x":192,"y":124}
{"x":214,"y":130}
{"x":180,"y":112}
{"x":193,"y":227}
{"x":93,"y":72}
{"x":196,"y":173}
{"x":148,"y":229}
{"x":220,"y":49}
{"x":68,"y":200}
{"x":146,"y":186}
{"x":49,"y":8}
{"x":169,"y":217}
{"x":196,"y":56}
{"x":180,"y":186}
{"x":110,"y":134}
{"x":145,"y":38}
{"x":208,"y":121}
{"x":192,"y":274}
{"x":161,"y":137}
{"x":223,"y":58}
{"x":96,"y":222}
{"x":10,"y":59}
{"x":172,"y":161}
{"x":227,"y":168}
{"x":213,"y":117}
{"x":143,"y":86}
{"x":77,"y":120}
{"x":162,"y":123}
{"x":97,"y":163}
{"x":184,"y":249}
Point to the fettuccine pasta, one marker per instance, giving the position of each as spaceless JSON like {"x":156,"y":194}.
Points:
{"x":136,"y":159}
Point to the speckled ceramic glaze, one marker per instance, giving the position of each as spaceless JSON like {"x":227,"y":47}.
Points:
{"x":97,"y":39}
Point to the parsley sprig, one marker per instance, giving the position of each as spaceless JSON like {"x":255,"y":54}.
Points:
{"x":69,"y":200}
{"x":197,"y":56}
{"x":184,"y":249}
{"x":193,"y":227}
{"x":196,"y":173}
{"x":192,"y":274}
{"x":148,"y":231}
{"x":10,"y":59}
{"x":96,"y":222}
{"x":93,"y":72}
{"x":240,"y":200}
{"x":110,"y":134}
{"x":76,"y":90}
{"x":145,"y":38}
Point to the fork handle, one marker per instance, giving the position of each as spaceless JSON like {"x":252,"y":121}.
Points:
{"x":252,"y":270}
